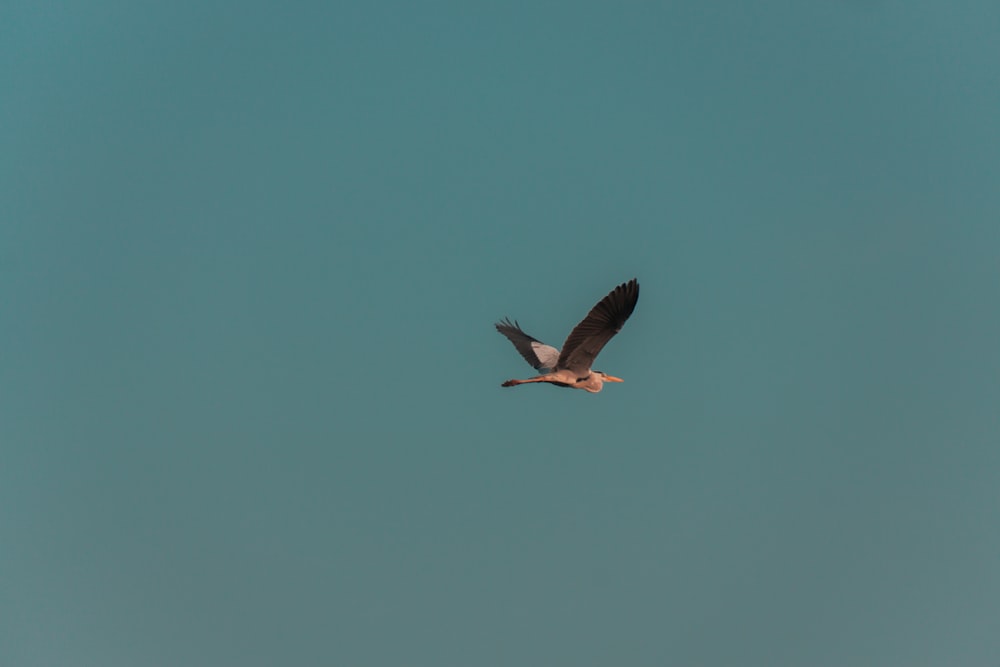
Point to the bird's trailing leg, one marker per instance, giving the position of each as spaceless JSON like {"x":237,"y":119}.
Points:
{"x":537,"y":378}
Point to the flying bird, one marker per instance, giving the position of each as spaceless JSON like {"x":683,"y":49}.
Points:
{"x":571,"y":366}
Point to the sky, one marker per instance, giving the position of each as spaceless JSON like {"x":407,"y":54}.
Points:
{"x":251,"y":256}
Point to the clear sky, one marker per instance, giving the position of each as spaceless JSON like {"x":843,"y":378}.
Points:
{"x":250,"y":259}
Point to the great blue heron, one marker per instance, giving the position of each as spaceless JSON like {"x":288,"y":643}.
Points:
{"x":571,"y":367}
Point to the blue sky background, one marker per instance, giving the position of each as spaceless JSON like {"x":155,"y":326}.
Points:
{"x":250,"y":259}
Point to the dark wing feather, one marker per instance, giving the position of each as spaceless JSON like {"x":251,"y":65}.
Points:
{"x":534,"y":351}
{"x":601,"y":324}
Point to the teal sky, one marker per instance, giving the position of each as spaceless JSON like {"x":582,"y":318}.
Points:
{"x":250,"y":259}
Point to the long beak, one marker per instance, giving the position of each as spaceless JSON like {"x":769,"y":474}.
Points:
{"x":612,"y":378}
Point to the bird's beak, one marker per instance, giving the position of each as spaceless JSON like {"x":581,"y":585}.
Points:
{"x":612,"y":378}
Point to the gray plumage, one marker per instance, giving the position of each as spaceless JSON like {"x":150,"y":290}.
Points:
{"x":534,"y":351}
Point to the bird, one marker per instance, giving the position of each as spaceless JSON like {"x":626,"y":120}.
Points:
{"x":571,"y":366}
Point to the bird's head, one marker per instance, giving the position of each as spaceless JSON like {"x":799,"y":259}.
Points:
{"x":608,"y":378}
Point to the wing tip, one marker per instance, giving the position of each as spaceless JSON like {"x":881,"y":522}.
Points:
{"x":627,"y":288}
{"x":631,"y":289}
{"x":505,"y":323}
{"x":628,"y":292}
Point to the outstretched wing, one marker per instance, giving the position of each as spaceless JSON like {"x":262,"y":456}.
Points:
{"x":603,"y":321}
{"x":534,"y":351}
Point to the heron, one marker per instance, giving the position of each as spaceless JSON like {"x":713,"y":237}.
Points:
{"x":571,"y":366}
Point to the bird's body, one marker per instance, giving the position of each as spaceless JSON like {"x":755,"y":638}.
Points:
{"x":592,"y":382}
{"x":571,"y":366}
